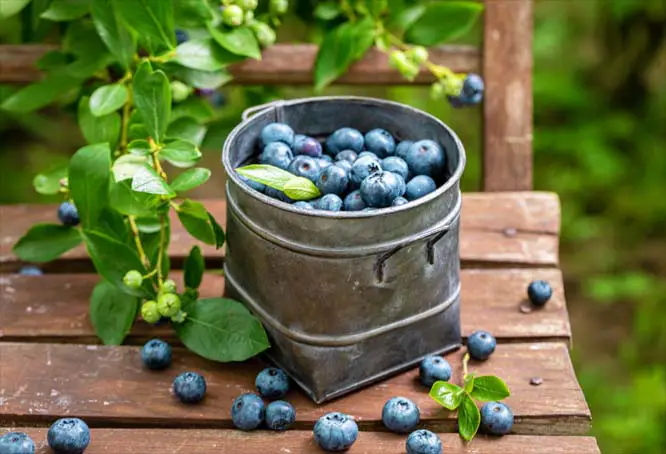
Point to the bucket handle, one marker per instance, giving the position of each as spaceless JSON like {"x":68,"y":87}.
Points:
{"x":251,"y":111}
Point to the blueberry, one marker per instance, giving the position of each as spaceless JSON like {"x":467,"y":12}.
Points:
{"x":434,"y":368}
{"x":380,"y":188}
{"x":277,"y":154}
{"x":67,"y":214}
{"x":419,"y":186}
{"x":423,"y":442}
{"x":480,"y":345}
{"x":272,"y":383}
{"x":156,"y":354}
{"x":69,"y":436}
{"x":253,"y":184}
{"x":216,"y":99}
{"x":354,"y":201}
{"x":31,"y":270}
{"x":307,"y":146}
{"x":539,"y":292}
{"x":280,"y":415}
{"x":426,"y":157}
{"x":399,"y":201}
{"x":248,"y":411}
{"x":344,"y":139}
{"x":472,"y":89}
{"x":370,"y":154}
{"x":335,"y":432}
{"x":362,"y":168}
{"x":396,"y":165}
{"x":333,"y":180}
{"x":402,"y":148}
{"x":327,"y":158}
{"x":304,"y":205}
{"x":16,"y":443}
{"x":380,"y":142}
{"x":344,"y":165}
{"x":347,"y":155}
{"x":277,"y":132}
{"x":189,"y":387}
{"x":400,"y":415}
{"x":401,"y":186}
{"x":496,"y":419}
{"x":330,"y":202}
{"x":181,"y":36}
{"x":276,"y":194}
{"x":305,"y":166}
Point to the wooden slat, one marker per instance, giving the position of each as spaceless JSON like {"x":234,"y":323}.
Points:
{"x":108,"y":386}
{"x":54,"y":308}
{"x":162,"y":441}
{"x":507,"y":70}
{"x":497,"y":229}
{"x":282,"y":64}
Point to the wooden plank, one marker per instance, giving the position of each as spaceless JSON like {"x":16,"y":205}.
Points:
{"x":54,"y":308}
{"x":141,"y":441}
{"x":282,"y":64}
{"x":507,"y":69}
{"x":109,"y":386}
{"x":497,"y":229}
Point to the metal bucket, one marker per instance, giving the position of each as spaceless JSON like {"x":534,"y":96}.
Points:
{"x":347,"y":298}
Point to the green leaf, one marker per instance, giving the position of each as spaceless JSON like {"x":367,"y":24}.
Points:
{"x":469,"y":418}
{"x":469,"y":383}
{"x":446,"y":394}
{"x":327,"y":10}
{"x":403,"y":19}
{"x":197,"y":221}
{"x":195,"y":108}
{"x":151,"y":19}
{"x":271,"y":176}
{"x":188,"y":130}
{"x":110,"y":27}
{"x":48,"y":183}
{"x":126,"y":166}
{"x":150,"y":224}
{"x":139,"y":147}
{"x":194,"y":268}
{"x":300,"y":188}
{"x":38,"y":95}
{"x":89,"y":179}
{"x":376,"y":7}
{"x":489,"y":388}
{"x":443,"y":21}
{"x":104,"y":129}
{"x":220,"y":237}
{"x":131,"y":203}
{"x":204,"y":79}
{"x":180,"y":153}
{"x":147,"y":180}
{"x":112,"y":313}
{"x":192,"y":13}
{"x":107,"y":99}
{"x":341,"y":47}
{"x":152,"y":97}
{"x":201,"y":53}
{"x":223,"y":330}
{"x":9,"y":8}
{"x":239,"y":40}
{"x":52,"y":60}
{"x":66,"y":10}
{"x":112,"y":223}
{"x":46,"y":242}
{"x":190,"y":179}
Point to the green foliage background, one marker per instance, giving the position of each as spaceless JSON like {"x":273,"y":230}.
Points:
{"x":600,"y":142}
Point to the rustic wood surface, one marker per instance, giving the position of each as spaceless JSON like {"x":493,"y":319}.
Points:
{"x":497,"y":229}
{"x":140,"y":441}
{"x":281,"y":64}
{"x":55,"y":307}
{"x":507,"y":70}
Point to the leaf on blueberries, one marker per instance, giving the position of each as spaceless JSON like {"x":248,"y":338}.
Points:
{"x":190,"y":179}
{"x":271,"y":176}
{"x":107,"y":99}
{"x":300,"y":188}
{"x":89,"y":180}
{"x":152,"y":97}
{"x":46,"y":242}
{"x":443,"y":21}
{"x":446,"y":394}
{"x":112,"y":312}
{"x":469,"y":418}
{"x":48,"y":183}
{"x":489,"y":388}
{"x":194,"y":268}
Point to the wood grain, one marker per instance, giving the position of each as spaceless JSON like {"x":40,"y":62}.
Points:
{"x":282,"y":64}
{"x":497,"y":229}
{"x":54,"y":308}
{"x":141,"y":441}
{"x":108,"y":386}
{"x":507,"y":70}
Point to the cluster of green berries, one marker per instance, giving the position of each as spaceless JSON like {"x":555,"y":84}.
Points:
{"x":168,"y":302}
{"x":409,"y":62}
{"x":242,"y":12}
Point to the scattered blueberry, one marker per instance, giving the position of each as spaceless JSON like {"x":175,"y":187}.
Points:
{"x":304,"y":205}
{"x":69,"y":436}
{"x":335,"y":432}
{"x":330,"y":202}
{"x":280,"y":415}
{"x":16,"y":443}
{"x":396,"y":165}
{"x":253,"y":184}
{"x":480,"y":345}
{"x":272,"y":383}
{"x":181,"y":36}
{"x":68,"y":214}
{"x":400,"y":415}
{"x":426,"y":157}
{"x":423,"y":442}
{"x":354,"y":201}
{"x":362,"y":168}
{"x":419,"y":186}
{"x":496,"y":419}
{"x":277,"y":154}
{"x":370,"y":154}
{"x":31,"y":270}
{"x":277,"y":132}
{"x":399,"y":201}
{"x":305,"y":166}
{"x":344,"y":165}
{"x":307,"y":146}
{"x":248,"y":411}
{"x":379,"y":189}
{"x":189,"y":387}
{"x":380,"y":142}
{"x":347,"y":155}
{"x":472,"y":89}
{"x":156,"y":354}
{"x":277,"y":194}
{"x":345,"y":139}
{"x":333,"y":180}
{"x":539,"y":292}
{"x":402,"y":148}
{"x":434,"y":368}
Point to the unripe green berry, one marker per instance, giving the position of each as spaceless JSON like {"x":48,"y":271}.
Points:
{"x":133,"y":279}
{"x":168,"y":286}
{"x":168,"y":304}
{"x":249,"y":17}
{"x":149,"y":312}
{"x":179,"y":91}
{"x":437,"y":90}
{"x":418,"y":54}
{"x":279,"y":6}
{"x":248,"y":5}
{"x":232,"y":15}
{"x":399,"y":61}
{"x":264,"y":33}
{"x":179,"y":317}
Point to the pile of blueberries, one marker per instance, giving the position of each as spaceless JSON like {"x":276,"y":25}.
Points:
{"x":353,"y":172}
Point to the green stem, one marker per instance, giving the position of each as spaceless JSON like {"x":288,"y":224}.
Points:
{"x":137,"y":241}
{"x":125,"y":121}
{"x":347,"y":10}
{"x":465,"y":361}
{"x":163,"y":226}
{"x":151,"y":274}
{"x":440,"y":72}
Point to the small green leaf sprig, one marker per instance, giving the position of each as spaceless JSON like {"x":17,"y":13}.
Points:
{"x":294,"y":187}
{"x":485,"y":388}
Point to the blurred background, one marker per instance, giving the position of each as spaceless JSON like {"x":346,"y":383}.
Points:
{"x":600,"y":143}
